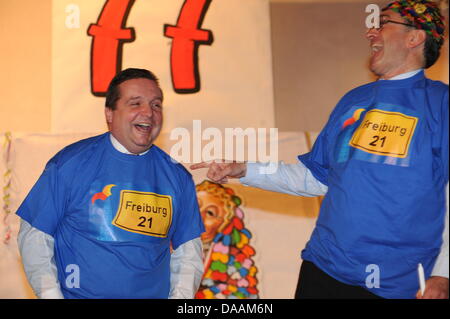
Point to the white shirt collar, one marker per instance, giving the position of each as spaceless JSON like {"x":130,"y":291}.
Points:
{"x":120,"y":147}
{"x":404,"y":75}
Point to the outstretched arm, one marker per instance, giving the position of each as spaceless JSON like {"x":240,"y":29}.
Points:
{"x":294,"y":179}
{"x":219,"y":172}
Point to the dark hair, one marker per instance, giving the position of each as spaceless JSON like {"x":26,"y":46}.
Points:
{"x":113,"y":93}
{"x":431,"y":51}
{"x":431,"y":48}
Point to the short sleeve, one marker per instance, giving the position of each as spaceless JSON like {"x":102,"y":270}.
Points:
{"x":43,"y":207}
{"x":189,"y":225}
{"x":317,"y":159}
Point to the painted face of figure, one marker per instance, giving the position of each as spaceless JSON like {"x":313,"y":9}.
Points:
{"x":388,"y":45}
{"x":137,"y":119}
{"x":213,"y":214}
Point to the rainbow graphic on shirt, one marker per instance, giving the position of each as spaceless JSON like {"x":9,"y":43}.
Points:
{"x":352,"y":120}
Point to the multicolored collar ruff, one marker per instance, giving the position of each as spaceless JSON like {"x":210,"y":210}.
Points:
{"x":423,"y":14}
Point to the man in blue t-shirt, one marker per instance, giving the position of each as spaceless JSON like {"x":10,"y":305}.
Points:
{"x":113,"y":216}
{"x":382,"y":163}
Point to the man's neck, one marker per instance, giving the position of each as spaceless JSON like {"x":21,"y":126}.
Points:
{"x":402,"y":76}
{"x":119,"y":147}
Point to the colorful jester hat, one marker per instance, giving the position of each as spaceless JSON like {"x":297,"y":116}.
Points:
{"x":423,"y":14}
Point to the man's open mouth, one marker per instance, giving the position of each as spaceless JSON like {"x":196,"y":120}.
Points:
{"x":143,"y":127}
{"x":376,"y":47}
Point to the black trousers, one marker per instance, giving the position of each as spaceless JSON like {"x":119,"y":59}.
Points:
{"x":313,"y":283}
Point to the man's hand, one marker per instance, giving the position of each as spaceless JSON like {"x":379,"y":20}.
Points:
{"x":435,"y":288}
{"x":219,"y":172}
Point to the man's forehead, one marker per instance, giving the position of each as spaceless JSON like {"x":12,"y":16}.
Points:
{"x":133,"y":96}
{"x":131,"y":88}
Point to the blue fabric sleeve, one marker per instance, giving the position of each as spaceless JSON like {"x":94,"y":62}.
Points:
{"x":445,"y":132}
{"x":43,"y":207}
{"x":189,"y":225}
{"x":317,"y":159}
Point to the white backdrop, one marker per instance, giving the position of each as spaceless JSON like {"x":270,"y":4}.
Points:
{"x":235,"y":70}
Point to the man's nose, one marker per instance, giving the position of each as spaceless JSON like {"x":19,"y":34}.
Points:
{"x":372,"y":33}
{"x":146,"y":110}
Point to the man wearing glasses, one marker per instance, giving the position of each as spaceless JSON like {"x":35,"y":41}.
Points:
{"x":382,"y":163}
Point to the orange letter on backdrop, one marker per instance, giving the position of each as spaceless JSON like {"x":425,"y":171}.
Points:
{"x":186,"y":39}
{"x":108,"y":37}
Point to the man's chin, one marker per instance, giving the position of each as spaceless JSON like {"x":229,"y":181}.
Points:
{"x":139,"y":148}
{"x":375,"y":70}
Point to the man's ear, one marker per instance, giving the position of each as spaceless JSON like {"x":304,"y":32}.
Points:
{"x":108,"y":115}
{"x":416,"y":38}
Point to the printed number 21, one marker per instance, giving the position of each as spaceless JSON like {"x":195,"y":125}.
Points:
{"x":143,"y":220}
{"x":376,"y":139}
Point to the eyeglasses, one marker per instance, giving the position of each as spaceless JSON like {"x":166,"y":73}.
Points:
{"x":383,"y":22}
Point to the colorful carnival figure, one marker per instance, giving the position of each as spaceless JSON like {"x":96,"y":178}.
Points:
{"x":230,"y":272}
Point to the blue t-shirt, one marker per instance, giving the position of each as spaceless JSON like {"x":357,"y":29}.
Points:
{"x":113,"y":217}
{"x":384,"y":156}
